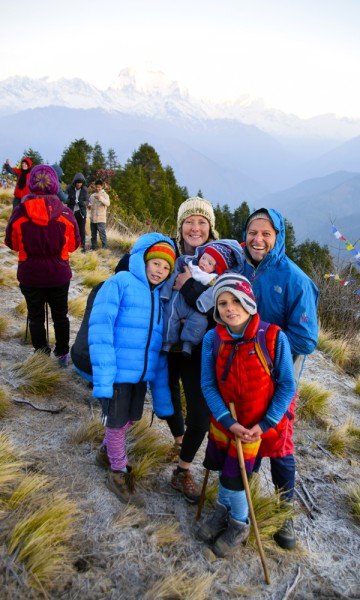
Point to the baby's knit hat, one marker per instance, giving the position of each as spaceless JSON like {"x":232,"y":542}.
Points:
{"x":262,"y":213}
{"x":196,"y":206}
{"x":240,"y":287}
{"x":43,"y":180}
{"x":162,"y":250}
{"x":224,"y":256}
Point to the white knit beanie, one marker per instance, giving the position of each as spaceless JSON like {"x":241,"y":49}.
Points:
{"x":239,"y":286}
{"x":196,"y":206}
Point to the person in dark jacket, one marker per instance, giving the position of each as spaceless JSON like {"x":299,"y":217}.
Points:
{"x":22,"y":174}
{"x":44,"y":232}
{"x":78,"y":200}
{"x":60,"y":173}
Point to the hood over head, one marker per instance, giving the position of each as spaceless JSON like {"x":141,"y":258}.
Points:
{"x":278,"y":223}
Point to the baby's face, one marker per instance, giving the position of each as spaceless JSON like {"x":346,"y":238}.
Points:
{"x":207,"y":263}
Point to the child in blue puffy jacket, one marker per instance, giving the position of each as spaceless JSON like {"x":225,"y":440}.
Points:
{"x":125,"y":339}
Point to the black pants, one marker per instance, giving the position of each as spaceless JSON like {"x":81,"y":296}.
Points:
{"x":197,"y":412}
{"x":57,"y":299}
{"x":81,"y":221}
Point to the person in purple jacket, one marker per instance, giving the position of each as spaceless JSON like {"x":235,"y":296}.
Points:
{"x":44,"y":231}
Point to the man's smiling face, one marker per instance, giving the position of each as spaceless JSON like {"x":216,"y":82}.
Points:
{"x":260,"y":238}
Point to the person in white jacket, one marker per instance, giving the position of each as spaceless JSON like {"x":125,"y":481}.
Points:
{"x":98,"y":203}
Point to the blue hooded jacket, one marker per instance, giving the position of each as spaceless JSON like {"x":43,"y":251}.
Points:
{"x":125,"y":331}
{"x":285,"y":295}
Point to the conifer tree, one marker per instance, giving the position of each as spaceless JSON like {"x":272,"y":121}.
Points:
{"x":76,"y":159}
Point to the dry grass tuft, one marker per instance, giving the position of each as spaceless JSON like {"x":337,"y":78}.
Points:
{"x":167,"y":534}
{"x":5,"y":402}
{"x":32,"y":487}
{"x":90,"y":431}
{"x":6,"y":213}
{"x":8,"y":277}
{"x":91,"y":278}
{"x":41,"y":540}
{"x":77,"y":306}
{"x":313,"y":402}
{"x":84,"y":262}
{"x":179,"y":585}
{"x":142,"y":440}
{"x":10,"y":467}
{"x":357,"y":386}
{"x":4,"y":326}
{"x":131,"y":516}
{"x":269,"y":511}
{"x":37,"y":374}
{"x":341,"y":351}
{"x":120,"y":241}
{"x":21,"y":308}
{"x":339,"y":441}
{"x":353,"y":496}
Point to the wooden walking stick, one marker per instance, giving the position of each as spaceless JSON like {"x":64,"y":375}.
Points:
{"x":248,"y":497}
{"x":202,"y":495}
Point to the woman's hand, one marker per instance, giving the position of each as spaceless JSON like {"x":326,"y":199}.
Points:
{"x":181,"y":278}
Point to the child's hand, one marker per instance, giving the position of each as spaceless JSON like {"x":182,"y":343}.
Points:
{"x":256,"y":433}
{"x":241,"y":432}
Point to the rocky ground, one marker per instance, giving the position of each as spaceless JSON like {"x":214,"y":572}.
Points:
{"x":119,"y":553}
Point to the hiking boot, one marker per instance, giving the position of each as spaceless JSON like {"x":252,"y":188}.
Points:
{"x":216,"y":523}
{"x":228,"y":542}
{"x":123,"y":485}
{"x":285,"y":537}
{"x":101,"y":458}
{"x":184,"y":483}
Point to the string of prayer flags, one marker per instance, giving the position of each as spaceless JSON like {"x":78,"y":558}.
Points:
{"x":349,"y":246}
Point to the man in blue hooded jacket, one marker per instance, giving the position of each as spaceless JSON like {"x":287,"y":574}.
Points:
{"x":286,"y":296}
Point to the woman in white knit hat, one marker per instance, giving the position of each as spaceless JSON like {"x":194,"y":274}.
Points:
{"x":195,"y":227}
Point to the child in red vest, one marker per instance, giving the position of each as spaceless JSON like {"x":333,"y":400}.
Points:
{"x":235,"y":369}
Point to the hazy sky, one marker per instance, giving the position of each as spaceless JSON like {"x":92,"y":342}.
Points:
{"x":301,"y":56}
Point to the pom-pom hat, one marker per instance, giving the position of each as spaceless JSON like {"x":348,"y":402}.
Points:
{"x":225,"y":258}
{"x":240,"y":287}
{"x":43,"y":180}
{"x":162,"y":250}
{"x":196,"y":206}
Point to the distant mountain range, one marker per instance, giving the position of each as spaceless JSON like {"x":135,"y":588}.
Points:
{"x":307,"y":168}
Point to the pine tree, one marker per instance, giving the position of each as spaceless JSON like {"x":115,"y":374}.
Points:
{"x":35,"y":156}
{"x":76,"y":159}
{"x":98,"y":160}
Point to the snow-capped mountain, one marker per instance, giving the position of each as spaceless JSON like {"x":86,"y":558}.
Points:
{"x":150,"y":93}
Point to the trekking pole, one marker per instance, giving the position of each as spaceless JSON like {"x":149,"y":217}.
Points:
{"x":248,"y":497}
{"x":47,"y":322}
{"x":202,"y":495}
{"x":26,"y":328}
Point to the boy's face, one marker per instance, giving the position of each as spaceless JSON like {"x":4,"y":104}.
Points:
{"x":207,"y":263}
{"x":232,"y":312}
{"x":157,"y":269}
{"x":98,"y":188}
{"x":78,"y":184}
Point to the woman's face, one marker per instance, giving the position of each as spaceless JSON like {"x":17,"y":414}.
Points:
{"x":195,"y":232}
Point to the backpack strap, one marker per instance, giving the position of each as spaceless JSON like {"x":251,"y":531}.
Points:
{"x":262,"y":350}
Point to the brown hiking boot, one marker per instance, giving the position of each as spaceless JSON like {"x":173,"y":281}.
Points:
{"x":214,"y":525}
{"x":285,"y":536}
{"x":101,"y":458}
{"x":228,"y":542}
{"x":123,"y":485}
{"x":184,"y":483}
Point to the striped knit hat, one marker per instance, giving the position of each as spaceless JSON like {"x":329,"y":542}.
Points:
{"x":240,"y":287}
{"x":196,"y":206}
{"x":162,"y":250}
{"x":225,"y":258}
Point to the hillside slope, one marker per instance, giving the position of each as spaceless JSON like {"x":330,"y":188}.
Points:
{"x":118,"y":562}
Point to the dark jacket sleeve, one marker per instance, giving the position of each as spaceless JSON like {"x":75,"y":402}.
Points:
{"x":191,"y":290}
